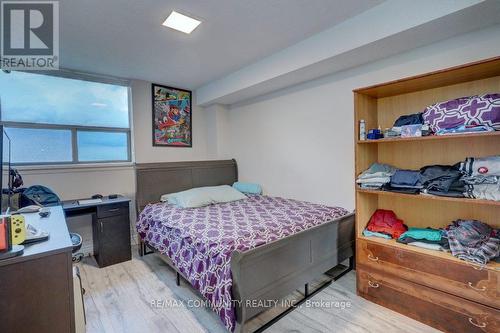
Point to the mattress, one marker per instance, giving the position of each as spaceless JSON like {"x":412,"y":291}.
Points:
{"x":200,"y":241}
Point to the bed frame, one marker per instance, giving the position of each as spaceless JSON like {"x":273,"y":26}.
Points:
{"x":268,"y":272}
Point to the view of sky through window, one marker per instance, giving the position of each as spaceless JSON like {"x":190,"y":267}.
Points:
{"x":51,"y":100}
{"x":35,"y":98}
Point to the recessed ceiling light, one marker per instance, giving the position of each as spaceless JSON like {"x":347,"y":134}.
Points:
{"x":181,"y":22}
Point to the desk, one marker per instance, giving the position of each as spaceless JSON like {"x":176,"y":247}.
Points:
{"x":110,"y":228}
{"x":36,"y":288}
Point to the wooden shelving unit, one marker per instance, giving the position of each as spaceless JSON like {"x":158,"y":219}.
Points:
{"x":380,"y":259}
{"x":381,"y":105}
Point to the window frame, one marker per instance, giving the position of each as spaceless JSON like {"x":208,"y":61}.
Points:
{"x":76,"y":128}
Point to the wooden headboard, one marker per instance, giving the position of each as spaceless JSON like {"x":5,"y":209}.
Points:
{"x":155,"y":179}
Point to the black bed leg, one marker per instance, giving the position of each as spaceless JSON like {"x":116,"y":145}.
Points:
{"x":177,"y":279}
{"x":141,"y":248}
{"x":295,"y":306}
{"x":334,"y":272}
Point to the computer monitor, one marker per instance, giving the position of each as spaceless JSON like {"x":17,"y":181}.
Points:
{"x":5,"y":162}
{"x":3,"y":171}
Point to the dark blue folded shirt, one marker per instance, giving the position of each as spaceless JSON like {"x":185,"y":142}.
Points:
{"x":406,"y":178}
{"x":409,"y":119}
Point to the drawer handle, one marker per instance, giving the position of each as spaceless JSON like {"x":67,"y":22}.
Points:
{"x":475,"y":288}
{"x":373,"y":284}
{"x":480,"y":325}
{"x":113,"y":210}
{"x":372,"y":258}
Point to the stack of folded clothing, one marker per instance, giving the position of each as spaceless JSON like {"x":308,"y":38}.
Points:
{"x":393,"y":132}
{"x":405,"y":120}
{"x":442,"y":180}
{"x":427,"y":238}
{"x":368,"y":233}
{"x":385,"y":222}
{"x":481,"y":177}
{"x":477,"y":178}
{"x":410,"y":119}
{"x":376,"y":176}
{"x":473,"y":241}
{"x":465,"y":129}
{"x":404,"y":181}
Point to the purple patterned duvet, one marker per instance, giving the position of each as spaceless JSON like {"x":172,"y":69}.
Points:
{"x":200,"y":241}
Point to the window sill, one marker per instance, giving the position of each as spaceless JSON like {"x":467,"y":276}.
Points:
{"x":67,"y":168}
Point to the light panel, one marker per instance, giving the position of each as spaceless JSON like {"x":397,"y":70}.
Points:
{"x":181,"y":22}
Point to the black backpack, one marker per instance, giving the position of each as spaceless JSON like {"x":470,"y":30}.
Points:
{"x":39,"y":195}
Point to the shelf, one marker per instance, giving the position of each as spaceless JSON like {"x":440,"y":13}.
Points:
{"x":441,"y":78}
{"x":432,"y":137}
{"x":440,"y":254}
{"x":431,"y":197}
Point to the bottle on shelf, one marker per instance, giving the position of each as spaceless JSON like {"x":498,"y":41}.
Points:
{"x":362,"y":130}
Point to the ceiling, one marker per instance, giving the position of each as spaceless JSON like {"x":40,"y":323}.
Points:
{"x":367,"y":37}
{"x":125,"y":38}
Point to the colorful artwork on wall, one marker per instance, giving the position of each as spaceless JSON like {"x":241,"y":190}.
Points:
{"x":172,"y":119}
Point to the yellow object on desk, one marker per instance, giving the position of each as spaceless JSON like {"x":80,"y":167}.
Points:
{"x":17,"y":229}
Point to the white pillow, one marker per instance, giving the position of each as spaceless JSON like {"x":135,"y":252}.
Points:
{"x":203,"y":196}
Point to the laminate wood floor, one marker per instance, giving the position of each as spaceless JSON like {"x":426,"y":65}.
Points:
{"x":141,"y":296}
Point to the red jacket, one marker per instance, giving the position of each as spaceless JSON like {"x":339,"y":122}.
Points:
{"x":387,"y":222}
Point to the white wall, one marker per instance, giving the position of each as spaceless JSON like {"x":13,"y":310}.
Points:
{"x":217,"y":122}
{"x":299,"y":143}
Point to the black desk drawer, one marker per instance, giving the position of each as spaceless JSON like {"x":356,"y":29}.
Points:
{"x":113,"y":240}
{"x":115,"y":209}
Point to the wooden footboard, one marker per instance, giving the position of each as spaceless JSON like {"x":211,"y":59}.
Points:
{"x":275,"y":270}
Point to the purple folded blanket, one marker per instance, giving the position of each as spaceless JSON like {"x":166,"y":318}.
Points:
{"x":468,"y":111}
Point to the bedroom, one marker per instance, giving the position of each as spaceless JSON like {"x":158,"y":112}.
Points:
{"x":261,"y":94}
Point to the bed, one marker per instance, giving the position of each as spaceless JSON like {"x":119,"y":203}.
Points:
{"x":239,"y":255}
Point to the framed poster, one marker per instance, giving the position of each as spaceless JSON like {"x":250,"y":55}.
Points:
{"x":172,"y":119}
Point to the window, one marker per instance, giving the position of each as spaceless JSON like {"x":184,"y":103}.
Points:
{"x":65,"y":119}
{"x":102,"y":146}
{"x":33,"y":145}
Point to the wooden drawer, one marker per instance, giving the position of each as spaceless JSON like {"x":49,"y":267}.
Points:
{"x":437,"y":309}
{"x":115,"y":209}
{"x":458,"y":278}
